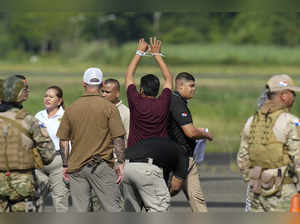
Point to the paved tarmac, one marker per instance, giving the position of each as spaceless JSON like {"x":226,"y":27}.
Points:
{"x":222,"y":185}
{"x":223,"y":188}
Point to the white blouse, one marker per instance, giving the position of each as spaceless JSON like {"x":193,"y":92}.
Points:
{"x":52,"y":124}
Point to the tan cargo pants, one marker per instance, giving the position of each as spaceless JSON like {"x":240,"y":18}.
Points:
{"x":103,"y":181}
{"x":192,"y":189}
{"x":52,"y":175}
{"x":144,"y":185}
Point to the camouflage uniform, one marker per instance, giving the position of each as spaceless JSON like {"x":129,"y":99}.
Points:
{"x":18,"y":190}
{"x":285,"y":131}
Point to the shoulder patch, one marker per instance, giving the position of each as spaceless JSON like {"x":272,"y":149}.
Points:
{"x":184,"y":114}
{"x":297,"y":123}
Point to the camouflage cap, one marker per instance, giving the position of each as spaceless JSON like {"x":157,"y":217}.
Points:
{"x":12,"y":89}
{"x":282,"y":82}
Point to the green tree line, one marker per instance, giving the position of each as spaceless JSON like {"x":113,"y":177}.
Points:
{"x":48,"y":32}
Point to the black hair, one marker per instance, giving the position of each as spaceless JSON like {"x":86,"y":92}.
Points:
{"x":21,"y":77}
{"x":186,"y":76}
{"x":150,"y":84}
{"x":114,"y":81}
{"x":59,"y":94}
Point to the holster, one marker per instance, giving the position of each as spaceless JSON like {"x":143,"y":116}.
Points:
{"x":254,"y":179}
{"x":268,"y":182}
{"x":271,"y":182}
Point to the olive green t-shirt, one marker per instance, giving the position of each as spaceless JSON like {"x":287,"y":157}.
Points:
{"x":90,"y":123}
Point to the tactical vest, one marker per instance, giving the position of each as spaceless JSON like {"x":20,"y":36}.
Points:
{"x":265,"y":150}
{"x":15,"y":143}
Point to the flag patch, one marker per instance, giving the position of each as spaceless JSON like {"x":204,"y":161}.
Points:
{"x":184,"y":114}
{"x":42,"y":125}
{"x":283,"y":84}
{"x":297,"y":123}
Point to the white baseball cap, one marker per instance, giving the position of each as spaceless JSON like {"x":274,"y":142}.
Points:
{"x":93,"y":76}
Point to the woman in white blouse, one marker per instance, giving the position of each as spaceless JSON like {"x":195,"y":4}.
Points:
{"x":49,"y":120}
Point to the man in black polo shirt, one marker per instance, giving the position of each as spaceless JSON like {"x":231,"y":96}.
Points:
{"x":143,"y":183}
{"x":182,"y":131}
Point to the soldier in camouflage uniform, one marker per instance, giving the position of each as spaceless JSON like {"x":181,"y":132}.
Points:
{"x":269,"y":154}
{"x":19,"y":135}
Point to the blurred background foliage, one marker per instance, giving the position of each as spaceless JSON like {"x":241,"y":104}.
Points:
{"x":81,"y":37}
{"x":231,"y":55}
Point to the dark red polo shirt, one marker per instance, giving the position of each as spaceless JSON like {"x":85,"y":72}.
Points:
{"x":148,"y":116}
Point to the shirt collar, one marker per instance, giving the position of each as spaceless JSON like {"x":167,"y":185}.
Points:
{"x":119,"y":103}
{"x":60,"y":112}
{"x":178,"y":94}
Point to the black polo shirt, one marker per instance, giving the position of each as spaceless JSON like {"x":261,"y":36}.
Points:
{"x":180,"y":115}
{"x":164,"y":152}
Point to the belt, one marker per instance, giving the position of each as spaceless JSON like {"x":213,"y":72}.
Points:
{"x":95,"y":162}
{"x":143,"y":160}
{"x":17,"y":171}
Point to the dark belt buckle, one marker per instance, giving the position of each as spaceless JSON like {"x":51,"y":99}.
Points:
{"x":94,"y":163}
{"x":91,"y":163}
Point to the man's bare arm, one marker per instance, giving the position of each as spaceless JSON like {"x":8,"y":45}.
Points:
{"x":119,"y":148}
{"x":129,"y":76}
{"x":64,"y":152}
{"x":192,"y":132}
{"x":155,"y":50}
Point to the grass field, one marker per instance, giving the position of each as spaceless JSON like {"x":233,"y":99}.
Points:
{"x":224,"y":99}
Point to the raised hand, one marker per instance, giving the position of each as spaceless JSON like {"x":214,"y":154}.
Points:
{"x":142,"y":45}
{"x":155,"y":45}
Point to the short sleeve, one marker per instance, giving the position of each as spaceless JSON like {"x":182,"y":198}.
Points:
{"x":181,"y":113}
{"x":132,"y":94}
{"x":39,"y":117}
{"x":166,"y":94}
{"x":115,"y":123}
{"x":165,"y":98}
{"x":64,"y":130}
